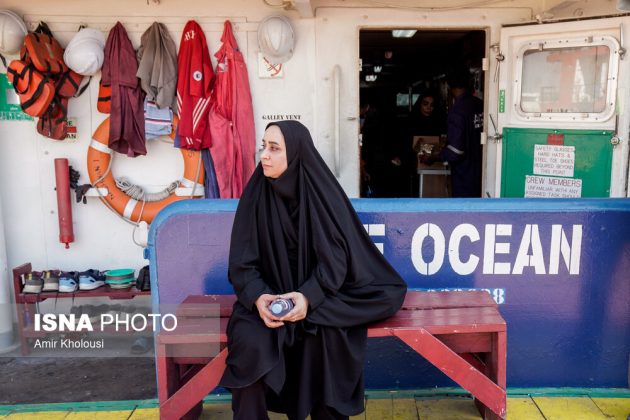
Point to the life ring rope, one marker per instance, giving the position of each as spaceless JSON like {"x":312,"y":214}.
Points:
{"x":123,"y":199}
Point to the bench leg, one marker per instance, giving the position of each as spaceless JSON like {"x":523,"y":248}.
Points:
{"x":482,"y":387}
{"x":495,"y":369}
{"x":21,"y":313}
{"x":190,"y":394}
{"x":167,"y":376}
{"x":186,"y":372}
{"x":170,"y":379}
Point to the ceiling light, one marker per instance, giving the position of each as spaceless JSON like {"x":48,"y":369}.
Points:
{"x":377,"y":69}
{"x":403,"y":33}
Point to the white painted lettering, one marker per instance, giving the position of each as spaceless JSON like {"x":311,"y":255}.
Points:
{"x":560,"y":246}
{"x":459,"y":266}
{"x":531,"y":237}
{"x":497,"y":258}
{"x":417,"y":246}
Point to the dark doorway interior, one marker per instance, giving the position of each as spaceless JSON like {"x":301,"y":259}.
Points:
{"x":395,"y":75}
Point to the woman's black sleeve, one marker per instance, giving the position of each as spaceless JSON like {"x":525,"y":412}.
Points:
{"x":244,"y":272}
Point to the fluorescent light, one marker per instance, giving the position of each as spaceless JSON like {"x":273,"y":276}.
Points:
{"x":403,"y":33}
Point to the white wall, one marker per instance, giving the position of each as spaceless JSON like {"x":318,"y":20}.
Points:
{"x":27,"y":179}
{"x":102,"y":239}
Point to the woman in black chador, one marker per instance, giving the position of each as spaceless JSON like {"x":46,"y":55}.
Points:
{"x":297,"y":236}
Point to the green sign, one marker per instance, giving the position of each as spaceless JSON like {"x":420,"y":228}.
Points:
{"x":501,"y":101}
{"x":551,"y":163}
{"x":10,"y":102}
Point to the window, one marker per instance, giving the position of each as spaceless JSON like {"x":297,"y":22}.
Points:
{"x":402,"y":99}
{"x":565,"y":79}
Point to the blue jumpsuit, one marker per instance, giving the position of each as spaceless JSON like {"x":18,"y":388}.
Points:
{"x":463,"y":149}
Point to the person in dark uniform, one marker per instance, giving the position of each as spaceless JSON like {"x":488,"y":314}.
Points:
{"x":463,"y":149}
{"x":297,"y":236}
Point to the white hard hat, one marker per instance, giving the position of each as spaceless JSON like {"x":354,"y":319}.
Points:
{"x":276,"y":39}
{"x":12,"y":32}
{"x":84,"y":54}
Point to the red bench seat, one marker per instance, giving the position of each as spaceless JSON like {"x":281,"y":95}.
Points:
{"x":462,"y":333}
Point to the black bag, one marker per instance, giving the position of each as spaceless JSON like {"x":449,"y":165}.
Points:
{"x":143,"y":282}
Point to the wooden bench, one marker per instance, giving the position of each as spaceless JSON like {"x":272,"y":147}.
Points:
{"x":462,"y":333}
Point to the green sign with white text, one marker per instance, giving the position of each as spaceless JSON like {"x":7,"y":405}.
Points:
{"x":10,"y":102}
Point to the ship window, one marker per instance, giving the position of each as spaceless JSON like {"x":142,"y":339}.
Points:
{"x":578,"y":80}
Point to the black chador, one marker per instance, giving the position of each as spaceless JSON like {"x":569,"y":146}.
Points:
{"x":299,"y":232}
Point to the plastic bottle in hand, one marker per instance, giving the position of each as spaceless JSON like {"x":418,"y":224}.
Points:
{"x":280,"y":307}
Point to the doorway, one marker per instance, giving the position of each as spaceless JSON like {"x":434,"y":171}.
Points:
{"x":405,"y":100}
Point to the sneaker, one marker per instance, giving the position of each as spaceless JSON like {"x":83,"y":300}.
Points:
{"x":33,"y":283}
{"x":68,"y":282}
{"x":92,"y":312}
{"x":76,"y":311}
{"x":51,"y":281}
{"x":90,"y":280}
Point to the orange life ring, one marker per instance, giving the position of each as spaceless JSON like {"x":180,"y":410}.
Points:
{"x":98,"y":159}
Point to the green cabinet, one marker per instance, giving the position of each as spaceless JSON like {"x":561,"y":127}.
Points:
{"x":540,"y":162}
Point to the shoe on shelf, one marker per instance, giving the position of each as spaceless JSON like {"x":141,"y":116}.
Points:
{"x":76,"y":311}
{"x":141,"y":345}
{"x":90,"y":280}
{"x":51,"y":281}
{"x":68,"y":282}
{"x":33,"y":283}
{"x":92,"y":312}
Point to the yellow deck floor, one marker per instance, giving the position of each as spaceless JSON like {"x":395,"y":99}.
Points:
{"x":455,"y":408}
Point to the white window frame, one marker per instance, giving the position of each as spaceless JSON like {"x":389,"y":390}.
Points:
{"x":560,"y":43}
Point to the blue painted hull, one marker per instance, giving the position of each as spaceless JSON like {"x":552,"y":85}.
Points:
{"x":560,"y":270}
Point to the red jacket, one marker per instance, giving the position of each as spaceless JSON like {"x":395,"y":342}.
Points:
{"x":194,"y":83}
{"x":232,"y":119}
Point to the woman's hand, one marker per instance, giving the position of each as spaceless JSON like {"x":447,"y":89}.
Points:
{"x":262,"y":303}
{"x":298,"y":312}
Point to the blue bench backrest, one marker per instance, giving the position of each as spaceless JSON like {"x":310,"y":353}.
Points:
{"x":558,"y":268}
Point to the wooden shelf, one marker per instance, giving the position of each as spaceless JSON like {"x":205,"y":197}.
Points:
{"x":25,"y":303}
{"x":104,"y":291}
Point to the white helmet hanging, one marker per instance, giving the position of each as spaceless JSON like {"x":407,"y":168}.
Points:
{"x":12,"y":32}
{"x":276,"y":39}
{"x":84,"y":54}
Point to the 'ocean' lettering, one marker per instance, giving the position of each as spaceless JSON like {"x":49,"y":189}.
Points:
{"x":430,"y":248}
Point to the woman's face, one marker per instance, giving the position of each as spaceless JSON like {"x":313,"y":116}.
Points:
{"x":274,"y":153}
{"x":426,"y":106}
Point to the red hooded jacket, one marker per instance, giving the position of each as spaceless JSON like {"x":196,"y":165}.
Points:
{"x":232,"y":119}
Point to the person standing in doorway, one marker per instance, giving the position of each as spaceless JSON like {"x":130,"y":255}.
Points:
{"x":424,"y":120}
{"x":463,"y":149}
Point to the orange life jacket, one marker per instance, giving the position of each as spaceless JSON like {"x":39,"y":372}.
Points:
{"x":43,"y":50}
{"x":104,"y":103}
{"x":44,"y":82}
{"x":35,"y":90}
